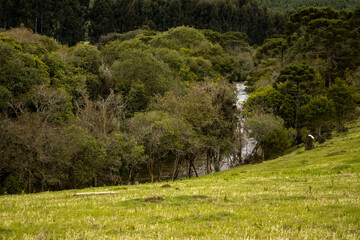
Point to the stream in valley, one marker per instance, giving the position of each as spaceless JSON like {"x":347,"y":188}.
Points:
{"x":163,"y":171}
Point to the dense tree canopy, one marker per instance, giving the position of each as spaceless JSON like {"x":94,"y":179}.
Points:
{"x":92,"y":115}
{"x":310,"y":72}
{"x":83,"y":115}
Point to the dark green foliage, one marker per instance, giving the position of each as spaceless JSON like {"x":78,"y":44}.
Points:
{"x":65,"y":20}
{"x":311,"y":97}
{"x":288,"y":6}
{"x":85,"y":155}
{"x":69,"y":21}
{"x":11,"y":185}
{"x":294,"y":82}
{"x":343,"y":97}
{"x":318,"y":114}
{"x":307,"y":139}
{"x":5,"y":96}
{"x":277,"y":142}
{"x":222,"y":16}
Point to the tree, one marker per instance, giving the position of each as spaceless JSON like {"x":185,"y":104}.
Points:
{"x":273,"y":47}
{"x":19,"y":71}
{"x":343,"y":97}
{"x":86,"y":157}
{"x":295,"y":78}
{"x":138,"y":76}
{"x":70,"y":19}
{"x":101,"y":16}
{"x":318,"y":113}
{"x":152,"y":130}
{"x":336,"y":42}
{"x":269,"y":132}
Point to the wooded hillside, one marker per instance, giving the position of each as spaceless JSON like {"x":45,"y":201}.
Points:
{"x":89,"y":115}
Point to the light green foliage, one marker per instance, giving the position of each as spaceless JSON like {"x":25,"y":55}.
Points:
{"x":11,"y":41}
{"x":180,"y":37}
{"x":113,"y":50}
{"x":260,"y":125}
{"x":58,"y":68}
{"x":135,"y":68}
{"x":303,"y":195}
{"x":171,"y":57}
{"x":33,"y":48}
{"x":266,"y":98}
{"x":269,"y":132}
{"x":48,"y":43}
{"x":19,"y":71}
{"x":160,"y":134}
{"x":208,"y":109}
{"x":86,"y":57}
{"x":87,"y":94}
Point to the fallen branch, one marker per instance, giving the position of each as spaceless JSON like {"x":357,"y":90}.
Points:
{"x":93,"y":193}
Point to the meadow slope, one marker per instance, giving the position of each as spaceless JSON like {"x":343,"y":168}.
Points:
{"x":302,"y":195}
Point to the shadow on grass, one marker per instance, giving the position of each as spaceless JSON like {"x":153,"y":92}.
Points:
{"x":4,"y":231}
{"x":212,"y":217}
{"x":168,"y":200}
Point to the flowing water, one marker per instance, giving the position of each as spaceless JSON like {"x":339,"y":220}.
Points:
{"x":164,"y":170}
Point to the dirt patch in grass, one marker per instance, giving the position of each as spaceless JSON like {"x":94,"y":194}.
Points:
{"x":201,"y":197}
{"x":154,"y":199}
{"x":335,"y":153}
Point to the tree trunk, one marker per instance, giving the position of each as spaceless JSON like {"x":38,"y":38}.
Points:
{"x":95,"y":182}
{"x":149,"y":165}
{"x":189,"y":174}
{"x":133,"y":175}
{"x":319,"y":131}
{"x":297,"y":104}
{"x":192,"y":164}
{"x":176,"y":167}
{"x":208,"y":162}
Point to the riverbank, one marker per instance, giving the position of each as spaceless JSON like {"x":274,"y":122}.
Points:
{"x":303,"y":195}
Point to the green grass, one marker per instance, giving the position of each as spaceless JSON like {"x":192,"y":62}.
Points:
{"x":303,"y":195}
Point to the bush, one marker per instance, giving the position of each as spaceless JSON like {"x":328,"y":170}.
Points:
{"x":11,"y":185}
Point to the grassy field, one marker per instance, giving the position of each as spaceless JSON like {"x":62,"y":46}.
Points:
{"x":303,"y":195}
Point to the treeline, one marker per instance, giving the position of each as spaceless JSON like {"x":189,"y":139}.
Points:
{"x":307,"y":81}
{"x":73,"y":117}
{"x":61,"y":19}
{"x":72,"y":21}
{"x":221,"y":16}
{"x":286,"y":6}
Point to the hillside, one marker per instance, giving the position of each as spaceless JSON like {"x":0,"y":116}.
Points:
{"x":303,"y":195}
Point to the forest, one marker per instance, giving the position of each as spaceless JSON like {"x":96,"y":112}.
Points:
{"x":72,"y":21}
{"x":290,"y":6}
{"x":75,"y":114}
